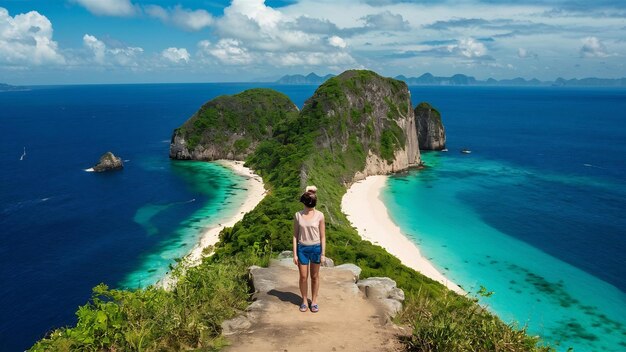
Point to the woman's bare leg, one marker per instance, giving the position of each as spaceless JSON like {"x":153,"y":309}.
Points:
{"x":315,"y":282}
{"x":304,"y":278}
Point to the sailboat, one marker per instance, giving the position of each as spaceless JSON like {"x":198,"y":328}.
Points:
{"x":23,"y":154}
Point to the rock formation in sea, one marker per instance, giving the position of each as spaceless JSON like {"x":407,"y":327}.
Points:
{"x":367,"y":121}
{"x":108,"y":162}
{"x":231,"y":126}
{"x":358,"y":122}
{"x":431,"y":134}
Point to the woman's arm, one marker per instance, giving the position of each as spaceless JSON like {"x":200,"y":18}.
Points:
{"x":295,"y":240}
{"x":323,"y":237}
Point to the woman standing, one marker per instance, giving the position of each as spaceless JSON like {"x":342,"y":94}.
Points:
{"x":309,"y":246}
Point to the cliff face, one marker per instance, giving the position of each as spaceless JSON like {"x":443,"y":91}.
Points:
{"x":431,"y":134}
{"x":231,"y":127}
{"x":366,"y":122}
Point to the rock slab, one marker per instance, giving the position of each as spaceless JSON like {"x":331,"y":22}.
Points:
{"x":348,"y":320}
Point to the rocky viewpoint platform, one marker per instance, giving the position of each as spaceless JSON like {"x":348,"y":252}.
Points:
{"x":355,"y":315}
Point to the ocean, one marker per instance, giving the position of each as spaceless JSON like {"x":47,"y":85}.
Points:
{"x":535,"y":214}
{"x":538,"y":202}
{"x":65,"y":230}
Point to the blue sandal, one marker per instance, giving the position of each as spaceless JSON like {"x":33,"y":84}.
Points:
{"x":315,"y":308}
{"x":303,"y":307}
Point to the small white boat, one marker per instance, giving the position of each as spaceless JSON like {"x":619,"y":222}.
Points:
{"x":466,"y":151}
{"x":444,"y":149}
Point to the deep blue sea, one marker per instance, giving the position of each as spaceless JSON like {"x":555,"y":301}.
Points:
{"x":543,"y":189}
{"x":64,"y":230}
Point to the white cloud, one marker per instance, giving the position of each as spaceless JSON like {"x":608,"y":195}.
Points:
{"x":386,"y":21}
{"x":525,"y":54}
{"x":108,"y":7}
{"x":228,"y":51}
{"x":176,"y":55}
{"x":470,"y":48}
{"x":593,"y":47}
{"x":27,"y":38}
{"x":96,"y":46}
{"x":104,"y":55}
{"x":312,"y":59}
{"x":190,"y":20}
{"x":337,"y":42}
{"x":252,"y":32}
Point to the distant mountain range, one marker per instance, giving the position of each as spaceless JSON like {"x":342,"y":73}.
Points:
{"x":311,"y":78}
{"x":428,"y":79}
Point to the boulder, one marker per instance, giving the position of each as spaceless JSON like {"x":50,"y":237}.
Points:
{"x":384,"y":290}
{"x":356,"y":271}
{"x":109,"y":162}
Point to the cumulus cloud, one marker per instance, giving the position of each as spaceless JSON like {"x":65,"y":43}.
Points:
{"x":96,"y":46}
{"x":466,"y":48}
{"x":27,"y":38}
{"x":337,"y":42}
{"x":190,"y":20}
{"x":252,"y":32}
{"x":469,"y":47}
{"x":227,"y":51}
{"x":386,"y":21}
{"x":312,"y":59}
{"x":105,"y":55}
{"x":593,"y":47}
{"x":108,"y":7}
{"x":176,"y":55}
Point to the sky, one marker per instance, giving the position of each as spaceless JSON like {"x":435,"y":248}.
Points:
{"x":151,"y":41}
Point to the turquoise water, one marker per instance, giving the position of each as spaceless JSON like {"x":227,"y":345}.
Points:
{"x":227,"y":192}
{"x":442,"y":209}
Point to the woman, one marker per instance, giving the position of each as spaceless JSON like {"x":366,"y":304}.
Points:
{"x":309,"y":246}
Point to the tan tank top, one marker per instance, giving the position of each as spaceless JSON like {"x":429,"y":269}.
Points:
{"x":308,"y":230}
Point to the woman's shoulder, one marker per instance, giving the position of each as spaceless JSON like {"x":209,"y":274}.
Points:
{"x":320,"y":214}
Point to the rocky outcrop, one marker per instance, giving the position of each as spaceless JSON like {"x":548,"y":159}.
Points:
{"x":108,"y":162}
{"x":366,"y":120}
{"x":431,"y":134}
{"x":352,"y":317}
{"x":359,"y":121}
{"x":385,"y":291}
{"x":231,"y":127}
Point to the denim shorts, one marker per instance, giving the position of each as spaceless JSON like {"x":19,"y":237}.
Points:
{"x":309,"y":253}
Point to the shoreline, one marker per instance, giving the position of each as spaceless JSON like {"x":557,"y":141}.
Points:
{"x":369,"y":215}
{"x":210,"y":235}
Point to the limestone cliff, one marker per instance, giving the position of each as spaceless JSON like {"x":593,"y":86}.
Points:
{"x":231,"y":127}
{"x":366,"y":122}
{"x":431,"y":134}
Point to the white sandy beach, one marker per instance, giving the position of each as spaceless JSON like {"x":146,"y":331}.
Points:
{"x":369,"y":216}
{"x":210,"y":236}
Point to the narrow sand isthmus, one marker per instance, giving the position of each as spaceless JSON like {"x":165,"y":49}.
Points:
{"x":368,"y":214}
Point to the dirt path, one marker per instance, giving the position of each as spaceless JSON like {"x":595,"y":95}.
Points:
{"x":347,"y":320}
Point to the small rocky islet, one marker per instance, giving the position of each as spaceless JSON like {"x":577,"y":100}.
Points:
{"x":108,"y":162}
